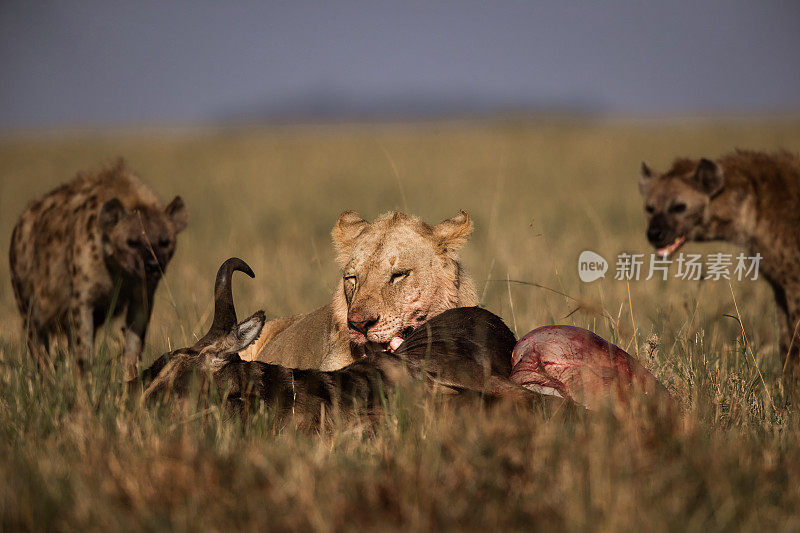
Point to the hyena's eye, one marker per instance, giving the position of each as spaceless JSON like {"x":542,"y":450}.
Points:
{"x":163,"y":243}
{"x":650,"y":209}
{"x":677,"y":208}
{"x":133,"y":243}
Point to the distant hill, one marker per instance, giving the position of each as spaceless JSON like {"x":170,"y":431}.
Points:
{"x":336,"y":106}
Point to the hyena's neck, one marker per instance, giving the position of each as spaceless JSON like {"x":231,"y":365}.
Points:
{"x":739,"y":221}
{"x":734,"y":219}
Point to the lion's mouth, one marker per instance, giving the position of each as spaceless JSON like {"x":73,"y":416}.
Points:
{"x":671,"y":248}
{"x":395,"y":342}
{"x":385,"y":344}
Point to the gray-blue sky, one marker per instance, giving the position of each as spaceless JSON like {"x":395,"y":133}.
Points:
{"x":188,"y":61}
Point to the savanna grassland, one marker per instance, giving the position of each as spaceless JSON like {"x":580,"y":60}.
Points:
{"x":79,"y":454}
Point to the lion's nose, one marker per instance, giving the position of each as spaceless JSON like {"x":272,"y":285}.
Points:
{"x":361,"y":321}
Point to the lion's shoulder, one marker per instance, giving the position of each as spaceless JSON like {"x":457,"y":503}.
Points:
{"x":308,"y":341}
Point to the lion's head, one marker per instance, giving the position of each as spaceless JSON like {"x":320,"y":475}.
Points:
{"x":397,"y":272}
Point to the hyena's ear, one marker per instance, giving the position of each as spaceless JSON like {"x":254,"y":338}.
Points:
{"x":347,"y":229}
{"x":708,"y":177}
{"x":177,"y":212}
{"x":119,"y":164}
{"x":246,"y":332}
{"x":451,"y":234}
{"x":112,"y":212}
{"x":645,"y":179}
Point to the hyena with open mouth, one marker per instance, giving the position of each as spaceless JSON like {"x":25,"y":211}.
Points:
{"x":747,"y":198}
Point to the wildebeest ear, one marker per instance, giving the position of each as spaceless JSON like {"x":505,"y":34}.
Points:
{"x":112,"y":212}
{"x":247,"y":331}
{"x":708,"y":177}
{"x":347,"y":229}
{"x":177,"y":212}
{"x":645,"y":179}
{"x":452,"y":233}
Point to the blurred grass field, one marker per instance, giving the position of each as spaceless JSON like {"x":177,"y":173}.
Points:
{"x":540,"y":192}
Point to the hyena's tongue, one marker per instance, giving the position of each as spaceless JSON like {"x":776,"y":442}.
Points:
{"x":395,"y":343}
{"x":671,"y":248}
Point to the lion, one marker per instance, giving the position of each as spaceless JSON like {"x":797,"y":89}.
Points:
{"x":397,"y":272}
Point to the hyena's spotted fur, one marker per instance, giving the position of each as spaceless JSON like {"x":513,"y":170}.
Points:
{"x":748,"y":198}
{"x":95,"y":246}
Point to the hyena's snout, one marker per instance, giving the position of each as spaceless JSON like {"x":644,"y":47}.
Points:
{"x":153,"y":267}
{"x":659,"y":231}
{"x":155,"y":260}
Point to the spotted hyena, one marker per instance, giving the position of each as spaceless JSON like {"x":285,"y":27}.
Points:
{"x":92,"y":248}
{"x":748,"y":198}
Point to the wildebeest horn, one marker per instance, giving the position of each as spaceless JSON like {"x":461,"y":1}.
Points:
{"x":224,"y":312}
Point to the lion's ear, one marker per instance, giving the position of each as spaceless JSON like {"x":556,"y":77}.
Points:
{"x":347,"y":229}
{"x":451,"y":234}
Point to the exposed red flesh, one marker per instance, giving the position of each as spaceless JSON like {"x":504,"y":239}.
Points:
{"x":575,"y":363}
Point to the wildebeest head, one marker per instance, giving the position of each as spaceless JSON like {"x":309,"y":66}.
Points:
{"x":224,"y":339}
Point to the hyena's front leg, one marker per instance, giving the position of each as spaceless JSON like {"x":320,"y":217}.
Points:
{"x":790,"y":343}
{"x":136,"y":321}
{"x":788,"y":329}
{"x":39,"y":347}
{"x":81,"y":334}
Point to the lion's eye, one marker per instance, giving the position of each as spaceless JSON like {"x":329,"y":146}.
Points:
{"x":397,"y":276}
{"x":677,"y":208}
{"x":350,"y":279}
{"x":650,"y":209}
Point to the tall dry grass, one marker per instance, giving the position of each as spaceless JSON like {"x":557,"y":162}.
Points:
{"x":80,"y":454}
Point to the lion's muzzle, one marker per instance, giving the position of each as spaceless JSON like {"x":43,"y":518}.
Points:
{"x":361,"y":321}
